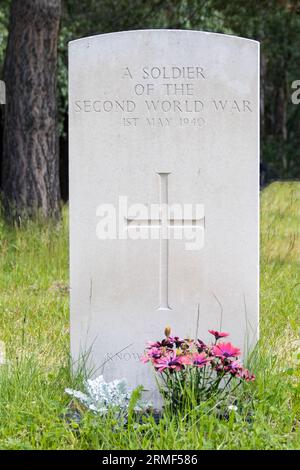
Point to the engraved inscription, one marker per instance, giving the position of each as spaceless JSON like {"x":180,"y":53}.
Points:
{"x":162,"y":96}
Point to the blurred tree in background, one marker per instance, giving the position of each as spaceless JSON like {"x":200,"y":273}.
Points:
{"x":275,"y":23}
{"x":30,"y":159}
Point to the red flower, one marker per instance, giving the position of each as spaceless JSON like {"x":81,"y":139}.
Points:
{"x":218,"y":334}
{"x":226,"y":350}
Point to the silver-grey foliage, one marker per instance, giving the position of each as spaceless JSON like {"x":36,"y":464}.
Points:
{"x":99,"y":396}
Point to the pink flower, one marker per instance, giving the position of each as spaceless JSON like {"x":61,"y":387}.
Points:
{"x":246,"y":375}
{"x":218,"y":334}
{"x":226,"y":350}
{"x":233,"y":367}
{"x":145,"y":359}
{"x":185,"y":360}
{"x":154,"y":353}
{"x":171,"y":362}
{"x":151,"y":355}
{"x":165,"y":343}
{"x":200,"y":345}
{"x":177,"y":341}
{"x":200,"y":360}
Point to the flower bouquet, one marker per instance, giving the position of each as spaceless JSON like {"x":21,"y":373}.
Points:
{"x":191,"y":371}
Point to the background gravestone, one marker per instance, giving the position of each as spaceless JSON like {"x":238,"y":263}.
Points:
{"x":2,"y":92}
{"x":162,"y":117}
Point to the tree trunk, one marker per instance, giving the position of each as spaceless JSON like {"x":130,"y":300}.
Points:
{"x":30,"y":171}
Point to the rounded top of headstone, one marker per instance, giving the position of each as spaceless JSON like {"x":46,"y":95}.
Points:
{"x":170,"y":32}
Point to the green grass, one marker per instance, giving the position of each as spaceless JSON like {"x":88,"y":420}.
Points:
{"x":34,"y":325}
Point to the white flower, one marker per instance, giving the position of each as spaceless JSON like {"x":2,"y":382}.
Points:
{"x":232,"y":408}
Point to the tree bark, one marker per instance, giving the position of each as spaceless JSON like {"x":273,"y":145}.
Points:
{"x":30,"y":169}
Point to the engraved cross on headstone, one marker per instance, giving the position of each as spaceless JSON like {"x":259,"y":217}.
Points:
{"x":164,"y":222}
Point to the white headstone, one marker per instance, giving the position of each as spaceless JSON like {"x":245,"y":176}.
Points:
{"x":2,"y":92}
{"x":160,"y":119}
